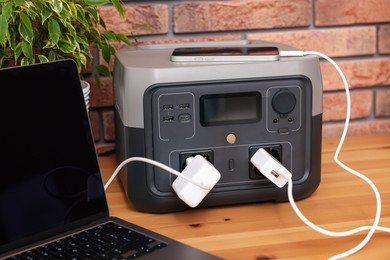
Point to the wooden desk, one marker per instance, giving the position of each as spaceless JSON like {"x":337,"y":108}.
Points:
{"x":272,"y":230}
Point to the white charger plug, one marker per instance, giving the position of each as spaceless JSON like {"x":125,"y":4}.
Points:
{"x":270,"y":167}
{"x":200,"y":171}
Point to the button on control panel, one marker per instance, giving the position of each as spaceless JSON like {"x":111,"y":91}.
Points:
{"x":283,"y":109}
{"x":284,"y":101}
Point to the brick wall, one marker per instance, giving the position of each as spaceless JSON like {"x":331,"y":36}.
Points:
{"x":356,"y":33}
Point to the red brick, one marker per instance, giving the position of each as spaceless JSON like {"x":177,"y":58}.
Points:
{"x":136,"y":19}
{"x":102,"y":149}
{"x":384,"y":39}
{"x":382,"y":103}
{"x":359,"y":73}
{"x":357,"y":128}
{"x":207,"y":38}
{"x":335,"y":42}
{"x":335,"y":105}
{"x":240,"y":15}
{"x":109,"y":125}
{"x":101,"y":96}
{"x":341,"y":12}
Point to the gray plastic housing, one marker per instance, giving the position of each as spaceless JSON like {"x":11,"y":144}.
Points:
{"x":161,"y":114}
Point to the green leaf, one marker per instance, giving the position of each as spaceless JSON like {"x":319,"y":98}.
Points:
{"x":49,"y":45}
{"x":24,"y":61}
{"x":57,"y":6}
{"x":97,"y":80}
{"x":3,"y":30}
{"x":67,"y":28}
{"x":103,"y":70}
{"x":65,"y":47}
{"x":80,"y":17}
{"x":12,"y":40}
{"x":42,"y":58}
{"x":103,"y":24}
{"x":66,"y":16}
{"x":106,"y":53}
{"x":110,"y":35}
{"x":118,"y":6}
{"x":82,"y":59}
{"x":17,"y":51}
{"x":19,"y":2}
{"x":7,"y":10}
{"x":5,"y":54}
{"x":4,"y":62}
{"x":134,"y":38}
{"x":27,"y":49}
{"x":54,"y":30}
{"x":46,"y":13}
{"x":4,"y":16}
{"x":52,"y":56}
{"x":124,"y":38}
{"x":93,"y":12}
{"x":82,"y":41}
{"x":96,"y":2}
{"x":73,"y":9}
{"x":30,"y":9}
{"x":25,"y":27}
{"x":87,"y":53}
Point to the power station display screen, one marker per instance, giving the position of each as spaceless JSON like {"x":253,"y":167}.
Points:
{"x":233,"y":108}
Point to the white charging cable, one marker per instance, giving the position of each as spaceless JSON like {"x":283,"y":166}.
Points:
{"x":193,"y":183}
{"x":274,"y":171}
{"x":158,"y":164}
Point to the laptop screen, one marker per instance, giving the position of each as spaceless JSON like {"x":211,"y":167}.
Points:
{"x":48,"y":165}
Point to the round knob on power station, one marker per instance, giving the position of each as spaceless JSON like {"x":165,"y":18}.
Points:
{"x":284,"y":101}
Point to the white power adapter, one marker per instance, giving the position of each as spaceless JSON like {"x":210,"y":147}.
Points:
{"x":270,"y":167}
{"x":201,"y":171}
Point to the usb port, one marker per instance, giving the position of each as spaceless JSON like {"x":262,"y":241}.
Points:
{"x":167,"y":107}
{"x":168,"y":119}
{"x":184,"y":106}
{"x":184,"y":118}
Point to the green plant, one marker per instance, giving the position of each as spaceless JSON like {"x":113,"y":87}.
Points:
{"x":46,"y":30}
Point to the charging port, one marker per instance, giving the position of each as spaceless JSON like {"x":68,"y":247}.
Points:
{"x":168,"y":107}
{"x":208,"y":154}
{"x":184,"y":106}
{"x":274,"y":150}
{"x":184,"y":118}
{"x":167,"y":119}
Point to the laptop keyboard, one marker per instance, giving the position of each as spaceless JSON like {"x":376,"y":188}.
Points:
{"x":107,"y":241}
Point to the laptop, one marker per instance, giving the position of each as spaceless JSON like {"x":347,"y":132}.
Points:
{"x":52,"y":200}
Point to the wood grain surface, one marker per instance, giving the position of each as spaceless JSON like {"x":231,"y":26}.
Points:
{"x":272,"y":230}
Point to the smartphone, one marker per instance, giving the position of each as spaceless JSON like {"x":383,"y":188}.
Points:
{"x":225,"y":54}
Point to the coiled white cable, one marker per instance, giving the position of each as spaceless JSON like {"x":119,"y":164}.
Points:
{"x":374,"y":226}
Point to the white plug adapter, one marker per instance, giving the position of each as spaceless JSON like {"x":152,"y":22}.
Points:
{"x":201,"y":171}
{"x":270,"y":167}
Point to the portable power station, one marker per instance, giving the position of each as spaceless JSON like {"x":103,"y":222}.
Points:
{"x":224,"y":110}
